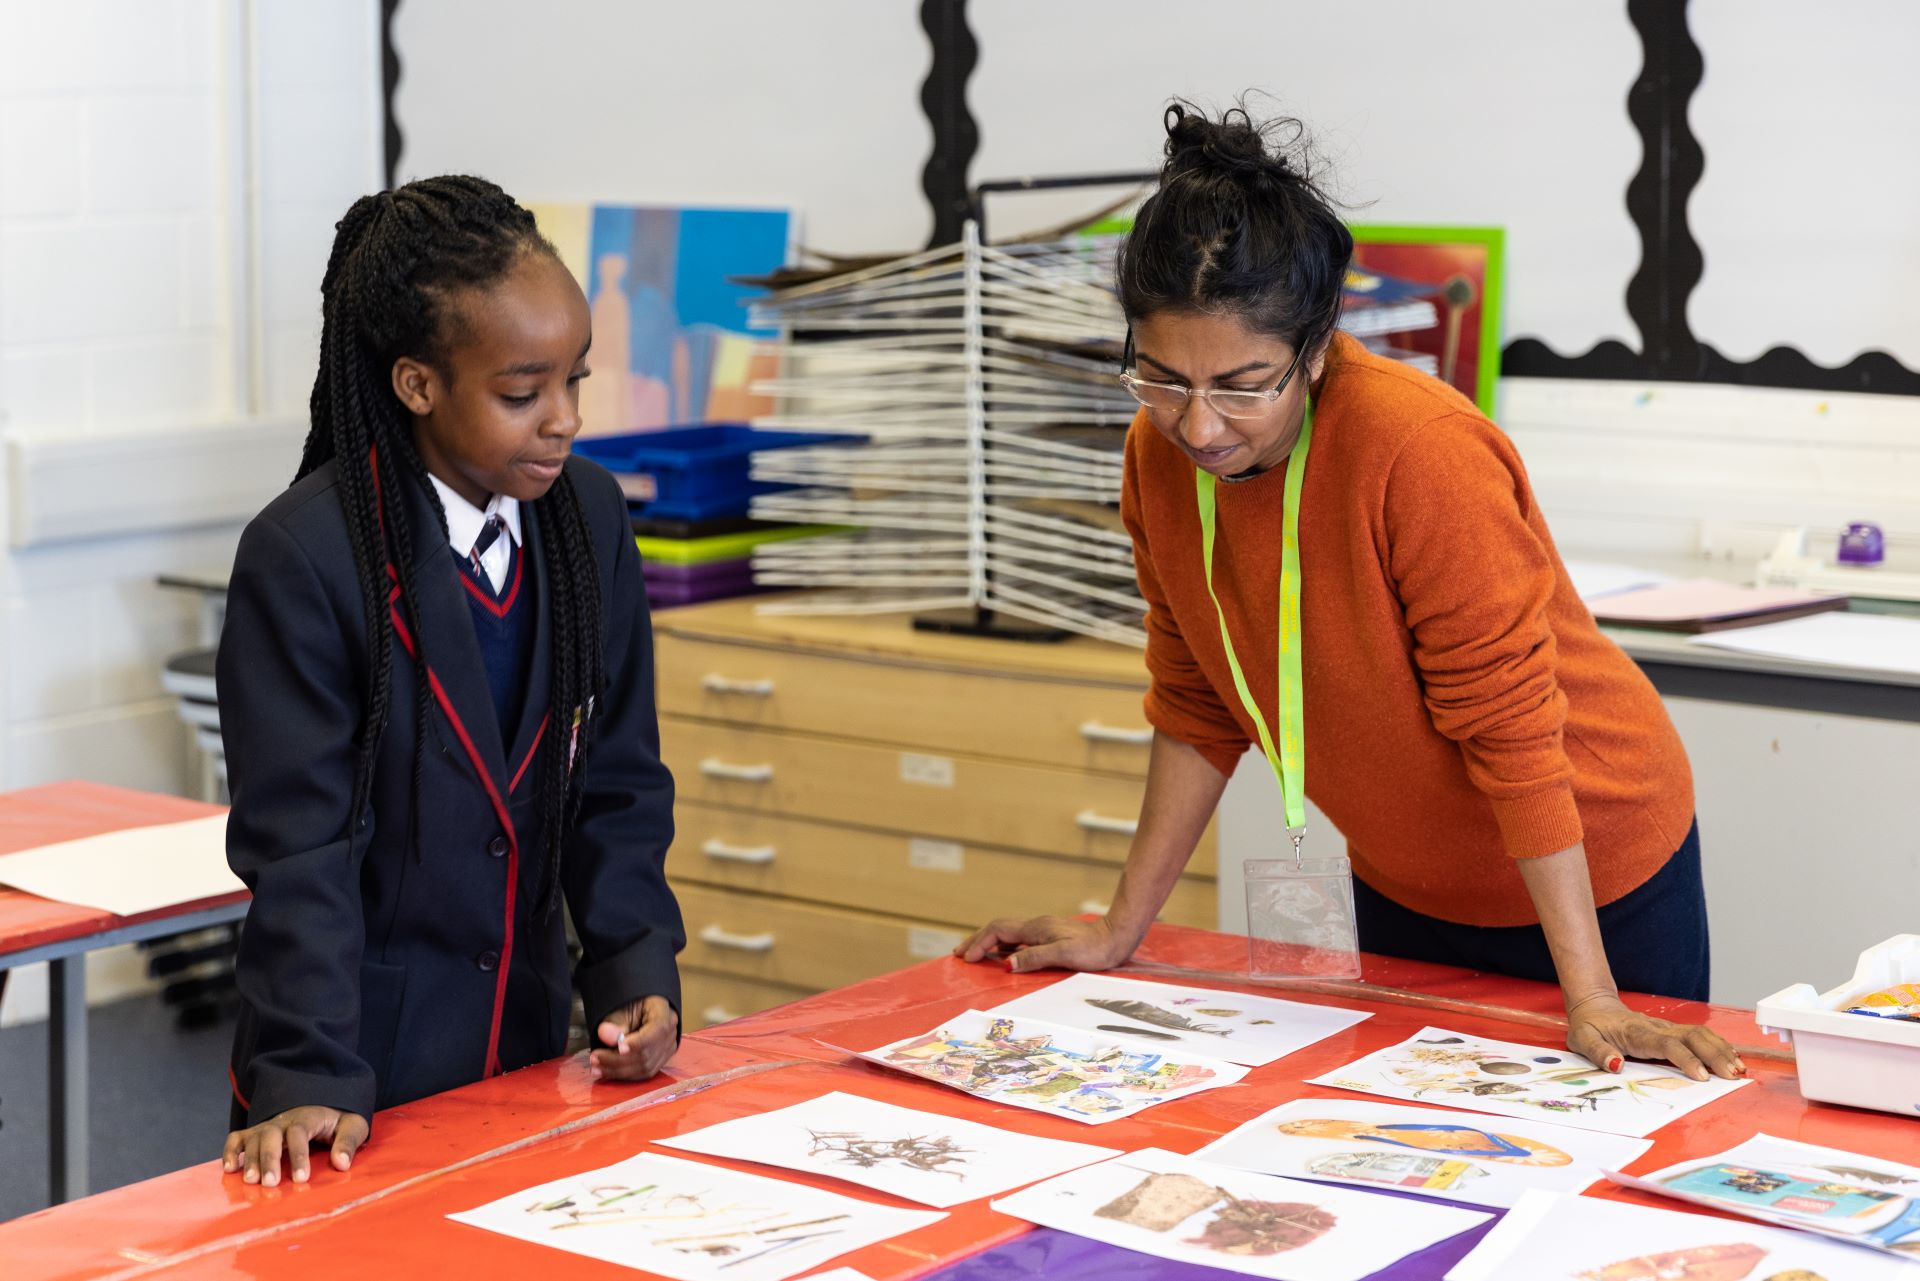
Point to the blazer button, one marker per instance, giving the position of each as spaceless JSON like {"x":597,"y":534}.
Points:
{"x":497,"y":847}
{"x":488,"y":961}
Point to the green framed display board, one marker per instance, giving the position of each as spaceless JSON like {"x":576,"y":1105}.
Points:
{"x":1460,"y":271}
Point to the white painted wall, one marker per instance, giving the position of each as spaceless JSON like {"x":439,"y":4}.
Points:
{"x":1503,"y":112}
{"x":815,"y":106}
{"x":1807,"y":210}
{"x":122,"y":317}
{"x":123,"y":320}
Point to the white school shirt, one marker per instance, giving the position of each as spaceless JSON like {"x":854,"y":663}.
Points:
{"x":465,"y":521}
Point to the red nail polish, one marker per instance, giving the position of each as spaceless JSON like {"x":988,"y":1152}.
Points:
{"x":1613,"y":1064}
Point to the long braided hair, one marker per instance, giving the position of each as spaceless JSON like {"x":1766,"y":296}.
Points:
{"x":398,"y":258}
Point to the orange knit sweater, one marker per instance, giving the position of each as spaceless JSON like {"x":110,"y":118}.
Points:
{"x":1462,"y":709}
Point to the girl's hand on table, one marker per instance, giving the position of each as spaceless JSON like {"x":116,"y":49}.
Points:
{"x":255,"y":1151}
{"x":639,"y":1038}
{"x":1043,"y":941}
{"x":1606,"y":1031}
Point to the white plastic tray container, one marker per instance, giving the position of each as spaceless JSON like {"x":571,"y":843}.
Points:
{"x":1854,"y":1059}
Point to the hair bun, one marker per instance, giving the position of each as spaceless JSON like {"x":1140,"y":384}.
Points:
{"x":1230,"y":146}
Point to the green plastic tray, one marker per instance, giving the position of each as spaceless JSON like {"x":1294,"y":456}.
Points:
{"x":700,"y":551}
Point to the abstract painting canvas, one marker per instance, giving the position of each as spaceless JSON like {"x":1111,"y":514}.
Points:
{"x":672,"y":342}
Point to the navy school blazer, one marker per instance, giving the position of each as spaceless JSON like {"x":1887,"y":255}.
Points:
{"x":368,"y":976}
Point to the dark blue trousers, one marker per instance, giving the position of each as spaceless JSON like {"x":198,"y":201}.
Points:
{"x":1656,"y":936}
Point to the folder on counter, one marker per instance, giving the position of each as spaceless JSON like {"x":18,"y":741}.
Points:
{"x":1709,"y":605}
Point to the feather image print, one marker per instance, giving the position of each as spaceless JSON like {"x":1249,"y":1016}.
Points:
{"x":1144,"y":1012}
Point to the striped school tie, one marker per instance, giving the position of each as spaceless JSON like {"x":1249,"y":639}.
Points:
{"x":489,"y":534}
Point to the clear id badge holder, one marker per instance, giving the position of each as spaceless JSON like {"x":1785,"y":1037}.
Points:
{"x":1300,"y":920}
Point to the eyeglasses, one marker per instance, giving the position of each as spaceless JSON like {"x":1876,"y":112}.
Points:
{"x":1172,"y":398}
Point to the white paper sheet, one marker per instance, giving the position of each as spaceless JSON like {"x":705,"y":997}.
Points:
{"x":1531,"y":1081}
{"x":1176,"y":1207}
{"x":1550,"y":1234}
{"x":140,"y":869}
{"x":1456,"y":1156}
{"x":1864,"y":1199}
{"x":1235,"y":1026}
{"x":1594,"y":579}
{"x":1873,"y":641}
{"x":1062,"y":1071}
{"x":693,"y":1222}
{"x":922,"y":1156}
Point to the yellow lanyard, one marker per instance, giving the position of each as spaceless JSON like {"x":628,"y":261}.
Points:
{"x":1290,"y":761}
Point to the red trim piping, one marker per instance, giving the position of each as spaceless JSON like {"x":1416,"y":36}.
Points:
{"x":498,"y":608}
{"x":492,"y":1067}
{"x":235,"y":1083}
{"x":531,"y":750}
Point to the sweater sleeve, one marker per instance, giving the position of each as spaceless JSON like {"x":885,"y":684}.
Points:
{"x":1181,"y":702}
{"x":290,"y":714}
{"x":1474,"y":579}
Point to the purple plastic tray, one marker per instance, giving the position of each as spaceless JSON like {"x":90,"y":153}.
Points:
{"x":714,"y":571}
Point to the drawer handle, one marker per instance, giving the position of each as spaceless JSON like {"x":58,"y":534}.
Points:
{"x":1094,"y":907}
{"x":738,"y":853}
{"x":715,"y":683}
{"x":712,"y":767}
{"x":1095,"y":732}
{"x":1095,"y":822}
{"x":718,"y":1014}
{"x":719,"y":937}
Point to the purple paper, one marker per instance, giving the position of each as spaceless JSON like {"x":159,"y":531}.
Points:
{"x":1049,"y":1255}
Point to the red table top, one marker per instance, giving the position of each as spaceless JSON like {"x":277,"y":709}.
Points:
{"x":36,"y":816}
{"x":387,"y":1216}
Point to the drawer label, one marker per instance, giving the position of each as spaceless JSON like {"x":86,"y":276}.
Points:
{"x":928,"y":944}
{"x":930,"y":771}
{"x":936,"y":856}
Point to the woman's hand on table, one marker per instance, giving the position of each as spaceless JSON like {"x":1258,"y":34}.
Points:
{"x":256,"y":1151}
{"x":1603,"y":1029}
{"x":1043,"y":941}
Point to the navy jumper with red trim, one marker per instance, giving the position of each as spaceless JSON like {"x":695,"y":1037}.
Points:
{"x":369,"y":975}
{"x":503,"y":626}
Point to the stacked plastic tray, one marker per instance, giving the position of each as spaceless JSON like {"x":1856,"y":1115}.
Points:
{"x":689,"y":489}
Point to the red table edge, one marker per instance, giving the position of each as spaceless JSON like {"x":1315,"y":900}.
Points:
{"x":57,"y":812}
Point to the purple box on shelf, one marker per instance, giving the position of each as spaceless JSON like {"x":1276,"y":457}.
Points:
{"x":664,"y":595}
{"x":690,"y":584}
{"x":715,"y":571}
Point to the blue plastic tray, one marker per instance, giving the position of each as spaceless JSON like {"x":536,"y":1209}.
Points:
{"x":693,"y":473}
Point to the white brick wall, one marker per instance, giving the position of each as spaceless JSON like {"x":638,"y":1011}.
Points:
{"x":121,"y":217}
{"x":122,"y":315}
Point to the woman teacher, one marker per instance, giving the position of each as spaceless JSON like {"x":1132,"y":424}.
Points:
{"x":1513,"y":794}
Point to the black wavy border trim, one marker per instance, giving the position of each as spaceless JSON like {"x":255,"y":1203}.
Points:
{"x":943,"y":96}
{"x":391,"y":139}
{"x":1671,"y":162}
